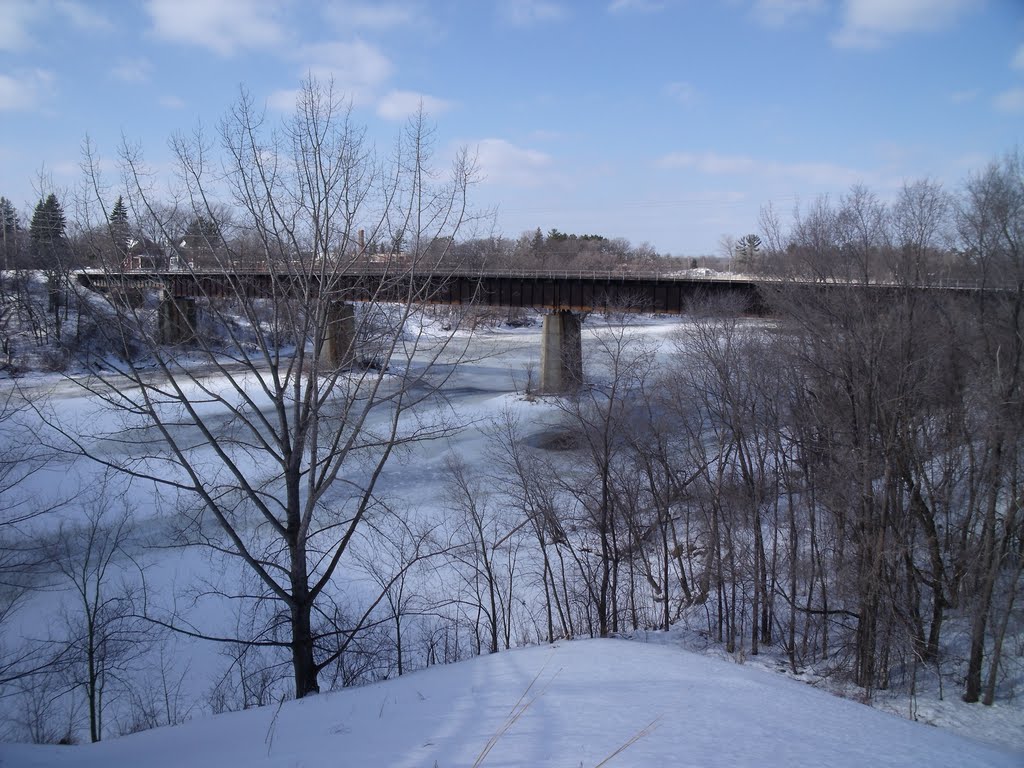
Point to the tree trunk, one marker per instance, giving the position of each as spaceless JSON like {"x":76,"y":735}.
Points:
{"x":1000,"y":633}
{"x":989,"y":569}
{"x":302,"y":645}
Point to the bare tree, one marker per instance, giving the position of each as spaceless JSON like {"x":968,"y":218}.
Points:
{"x":486,"y":538}
{"x":772,"y":234}
{"x":863,"y":232}
{"x":397,"y":559}
{"x":991,"y":228}
{"x":158,"y":698}
{"x":482,"y":536}
{"x":920,"y":232}
{"x":24,"y":557}
{"x":273,"y":443}
{"x":596,"y":418}
{"x":107,"y":637}
{"x":528,"y":484}
{"x":814,"y":243}
{"x":727,"y":249}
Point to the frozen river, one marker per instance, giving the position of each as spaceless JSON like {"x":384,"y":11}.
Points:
{"x":185,"y":585}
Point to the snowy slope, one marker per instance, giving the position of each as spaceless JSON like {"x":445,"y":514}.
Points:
{"x":588,"y":699}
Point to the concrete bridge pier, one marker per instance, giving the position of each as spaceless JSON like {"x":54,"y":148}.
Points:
{"x":134,"y":298}
{"x":561,"y":353}
{"x":177,"y":319}
{"x":339,"y":348}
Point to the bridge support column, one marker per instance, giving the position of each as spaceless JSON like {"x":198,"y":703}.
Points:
{"x":177,"y":319}
{"x":339,"y":348}
{"x":561,"y":353}
{"x":129,"y":297}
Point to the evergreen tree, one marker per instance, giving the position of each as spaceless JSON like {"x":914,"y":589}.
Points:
{"x":8,"y":233}
{"x":120,"y":231}
{"x":49,"y":250}
{"x":202,"y":234}
{"x":746,"y":251}
{"x":47,"y":233}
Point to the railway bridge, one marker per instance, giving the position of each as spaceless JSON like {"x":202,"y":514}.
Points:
{"x":563,"y":296}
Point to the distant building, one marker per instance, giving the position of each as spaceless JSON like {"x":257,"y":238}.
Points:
{"x":145,"y":255}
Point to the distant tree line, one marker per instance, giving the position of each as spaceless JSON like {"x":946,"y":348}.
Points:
{"x":155,"y":237}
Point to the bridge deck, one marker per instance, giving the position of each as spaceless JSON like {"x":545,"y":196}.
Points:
{"x":553,"y":291}
{"x":668,"y":293}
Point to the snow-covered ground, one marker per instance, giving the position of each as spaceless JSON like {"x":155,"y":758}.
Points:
{"x":574,"y":703}
{"x":587,"y":698}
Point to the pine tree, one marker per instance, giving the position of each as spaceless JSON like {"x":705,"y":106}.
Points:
{"x":46,"y":233}
{"x":202,"y":234}
{"x":49,"y":249}
{"x":8,"y":232}
{"x":746,"y":251}
{"x":537,"y":243}
{"x":120,"y":231}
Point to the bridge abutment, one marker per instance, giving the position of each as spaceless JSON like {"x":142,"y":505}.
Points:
{"x":177,"y":319}
{"x":339,"y":349}
{"x":561,"y":352}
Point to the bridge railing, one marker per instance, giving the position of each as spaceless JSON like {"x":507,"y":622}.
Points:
{"x":373,"y":269}
{"x":945,"y":282}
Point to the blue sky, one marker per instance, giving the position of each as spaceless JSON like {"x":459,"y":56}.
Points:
{"x":666,"y":121}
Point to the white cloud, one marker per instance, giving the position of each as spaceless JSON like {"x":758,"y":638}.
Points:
{"x":223,"y":26}
{"x":501,"y":162}
{"x":970,"y":162}
{"x":172,"y":102}
{"x":16,"y":17}
{"x":1010,"y":101}
{"x":714,"y":164}
{"x":23,"y":91}
{"x":871,"y":23}
{"x":83,"y":17}
{"x":284,"y":100}
{"x":708,"y":162}
{"x":777,"y":13}
{"x":1017,"y":62}
{"x":398,"y":105}
{"x":350,"y":15}
{"x":68,"y":170}
{"x":132,"y":70}
{"x":684,"y":93}
{"x":523,"y":13}
{"x":640,"y":6}
{"x":963,"y":97}
{"x":356,"y":68}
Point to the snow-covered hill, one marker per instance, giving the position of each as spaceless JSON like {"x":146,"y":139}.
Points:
{"x":578,"y":702}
